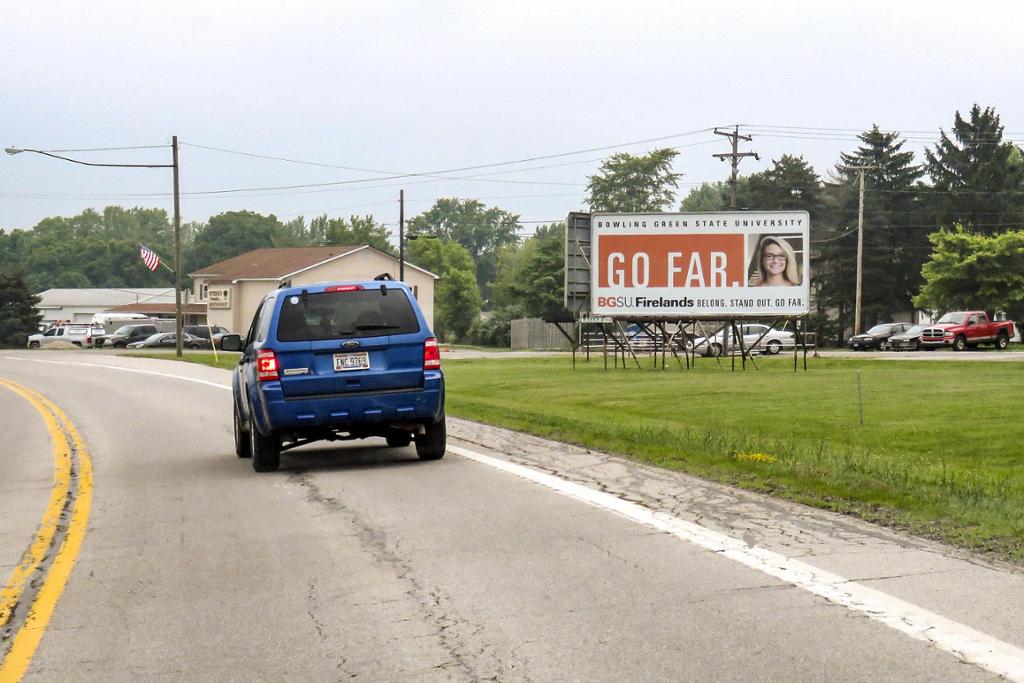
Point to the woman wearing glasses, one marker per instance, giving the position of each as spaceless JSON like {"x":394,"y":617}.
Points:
{"x":776,"y":264}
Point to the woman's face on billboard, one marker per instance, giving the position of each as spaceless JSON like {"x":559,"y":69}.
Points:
{"x":774,"y":259}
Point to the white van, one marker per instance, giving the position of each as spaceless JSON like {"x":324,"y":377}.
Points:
{"x":111,"y":321}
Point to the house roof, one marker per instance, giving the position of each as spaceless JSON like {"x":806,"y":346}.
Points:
{"x":57,"y":298}
{"x":281,"y":263}
{"x":160,"y":309}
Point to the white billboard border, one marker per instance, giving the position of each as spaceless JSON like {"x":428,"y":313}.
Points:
{"x":632,"y":317}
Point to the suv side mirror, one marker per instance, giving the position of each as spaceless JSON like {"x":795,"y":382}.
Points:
{"x":231,"y":342}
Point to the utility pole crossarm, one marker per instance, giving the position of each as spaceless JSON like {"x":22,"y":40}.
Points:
{"x":735,"y":156}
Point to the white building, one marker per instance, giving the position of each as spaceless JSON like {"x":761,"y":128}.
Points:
{"x":79,"y":305}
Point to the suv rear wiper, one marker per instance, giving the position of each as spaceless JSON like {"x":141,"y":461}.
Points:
{"x":375,"y":327}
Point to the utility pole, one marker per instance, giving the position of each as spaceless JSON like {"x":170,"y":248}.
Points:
{"x":177,"y":253}
{"x":860,"y":243}
{"x":401,"y":235}
{"x":735,"y":156}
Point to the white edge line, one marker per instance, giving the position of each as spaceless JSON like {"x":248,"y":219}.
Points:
{"x":122,"y":369}
{"x":962,"y":641}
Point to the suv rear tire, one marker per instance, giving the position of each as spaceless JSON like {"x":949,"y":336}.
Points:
{"x":243,"y":447}
{"x":1002,"y":341}
{"x":431,"y":444}
{"x":266,"y":451}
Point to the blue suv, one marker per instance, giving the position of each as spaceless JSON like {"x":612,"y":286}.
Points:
{"x":337,"y":361}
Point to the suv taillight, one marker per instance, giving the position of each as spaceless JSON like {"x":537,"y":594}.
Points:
{"x":431,"y":355}
{"x":266,"y":366}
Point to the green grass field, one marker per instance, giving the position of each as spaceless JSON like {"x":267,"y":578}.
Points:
{"x":939,"y":453}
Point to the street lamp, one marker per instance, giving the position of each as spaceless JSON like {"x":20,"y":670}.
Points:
{"x":178,"y":317}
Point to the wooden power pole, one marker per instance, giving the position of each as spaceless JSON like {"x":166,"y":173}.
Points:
{"x":860,"y":244}
{"x":735,"y":156}
{"x":401,"y":235}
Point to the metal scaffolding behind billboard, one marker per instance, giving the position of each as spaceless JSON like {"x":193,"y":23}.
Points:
{"x":577,"y":263}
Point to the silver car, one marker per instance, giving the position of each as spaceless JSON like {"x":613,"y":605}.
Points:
{"x":756,"y":337}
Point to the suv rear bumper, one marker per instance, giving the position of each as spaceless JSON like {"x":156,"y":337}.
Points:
{"x":273,"y":412}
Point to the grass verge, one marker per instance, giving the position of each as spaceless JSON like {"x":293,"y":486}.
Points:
{"x":938,"y":455}
{"x":223,"y":359}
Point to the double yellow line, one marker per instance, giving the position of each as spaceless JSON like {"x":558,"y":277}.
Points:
{"x":67,"y":515}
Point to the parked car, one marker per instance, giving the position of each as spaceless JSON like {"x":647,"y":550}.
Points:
{"x":963,"y":329}
{"x":128,"y":334}
{"x":79,"y":335}
{"x":204,"y":331}
{"x":756,"y":337}
{"x":337,"y":361}
{"x":878,"y":336}
{"x":907,"y":341}
{"x":168,"y":340}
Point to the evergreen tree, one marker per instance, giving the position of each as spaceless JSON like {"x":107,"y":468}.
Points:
{"x":895,"y":232}
{"x":789,"y":185}
{"x":18,"y":314}
{"x":978,"y":179}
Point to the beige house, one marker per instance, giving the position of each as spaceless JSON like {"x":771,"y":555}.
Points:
{"x":232,"y":289}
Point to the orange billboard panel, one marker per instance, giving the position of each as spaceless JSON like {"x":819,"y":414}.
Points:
{"x":667,"y":260}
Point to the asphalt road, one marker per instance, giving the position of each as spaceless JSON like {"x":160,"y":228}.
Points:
{"x":511,"y":559}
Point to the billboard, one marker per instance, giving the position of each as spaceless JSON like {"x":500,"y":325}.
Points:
{"x":700,"y":265}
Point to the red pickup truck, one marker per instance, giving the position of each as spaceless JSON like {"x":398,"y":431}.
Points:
{"x":964,"y":329}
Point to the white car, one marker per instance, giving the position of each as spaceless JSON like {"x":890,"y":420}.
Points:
{"x":79,"y":335}
{"x":756,"y":337}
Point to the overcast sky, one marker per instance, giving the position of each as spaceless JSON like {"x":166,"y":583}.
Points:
{"x":420,"y":87}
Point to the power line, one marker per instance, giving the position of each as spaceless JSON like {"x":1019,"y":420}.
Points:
{"x":474,"y":167}
{"x":109,"y":149}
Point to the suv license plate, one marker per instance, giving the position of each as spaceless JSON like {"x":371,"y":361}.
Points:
{"x":351,"y":361}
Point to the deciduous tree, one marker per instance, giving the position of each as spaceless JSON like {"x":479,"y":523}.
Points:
{"x":532,"y":276}
{"x":232,"y":233}
{"x":971,"y":271}
{"x":457,"y":299}
{"x":634,"y":183}
{"x":481,"y":230}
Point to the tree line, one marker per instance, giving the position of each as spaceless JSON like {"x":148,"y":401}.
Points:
{"x":940,"y":233}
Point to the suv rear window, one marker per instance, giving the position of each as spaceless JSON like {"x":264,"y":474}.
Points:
{"x":359,"y":313}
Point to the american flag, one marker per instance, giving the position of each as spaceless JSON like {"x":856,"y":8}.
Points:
{"x":149,"y":257}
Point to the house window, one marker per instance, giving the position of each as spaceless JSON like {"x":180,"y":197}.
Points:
{"x":204,"y":291}
{"x":416,"y":292}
